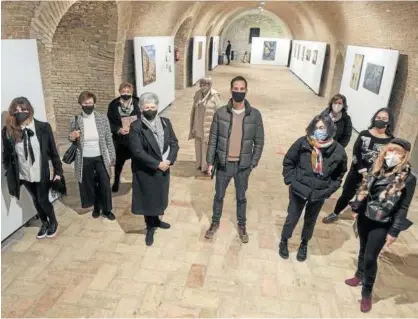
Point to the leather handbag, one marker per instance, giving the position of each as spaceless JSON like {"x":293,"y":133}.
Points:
{"x":71,"y":153}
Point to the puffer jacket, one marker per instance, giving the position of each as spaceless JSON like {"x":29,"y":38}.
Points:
{"x":304,"y":182}
{"x":252,"y":142}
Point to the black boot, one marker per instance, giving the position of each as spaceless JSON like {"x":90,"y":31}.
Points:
{"x":115,"y":187}
{"x":52,"y":229}
{"x":283,"y":249}
{"x":43,"y":230}
{"x":302,"y":251}
{"x":149,"y":238}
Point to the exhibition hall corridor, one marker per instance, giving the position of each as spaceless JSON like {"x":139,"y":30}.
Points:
{"x":100,"y":268}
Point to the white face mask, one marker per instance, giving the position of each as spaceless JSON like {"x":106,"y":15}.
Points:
{"x":392,"y":159}
{"x":336,"y":108}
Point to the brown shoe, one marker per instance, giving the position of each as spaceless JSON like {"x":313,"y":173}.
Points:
{"x":242,"y":232}
{"x":212,"y":230}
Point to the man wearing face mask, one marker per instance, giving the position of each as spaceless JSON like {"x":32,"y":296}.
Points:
{"x":206,"y":102}
{"x":121,"y":113}
{"x":235,"y":146}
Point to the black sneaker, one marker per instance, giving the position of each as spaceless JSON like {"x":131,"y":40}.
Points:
{"x":109,"y":216}
{"x":149,"y":238}
{"x":302,"y":252}
{"x":283,"y":250}
{"x":164,"y":225}
{"x":52,"y":230}
{"x":42,"y":231}
{"x":96,"y":213}
{"x":333,"y":217}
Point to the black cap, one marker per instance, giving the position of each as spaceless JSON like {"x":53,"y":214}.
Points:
{"x":402,"y":143}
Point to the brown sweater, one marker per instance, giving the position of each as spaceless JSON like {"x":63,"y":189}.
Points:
{"x":236,"y":137}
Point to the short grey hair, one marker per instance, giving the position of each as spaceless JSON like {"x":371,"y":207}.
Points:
{"x":206,"y":79}
{"x":148,"y":97}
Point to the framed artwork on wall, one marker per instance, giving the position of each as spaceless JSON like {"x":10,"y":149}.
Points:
{"x":200,"y":50}
{"x":149,"y":67}
{"x":269,"y":50}
{"x":298,"y":55}
{"x":303,"y":53}
{"x":315,"y":56}
{"x":308,"y":55}
{"x":356,"y":71}
{"x":373,"y":77}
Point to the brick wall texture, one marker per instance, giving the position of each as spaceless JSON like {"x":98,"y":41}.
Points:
{"x":87,"y":45}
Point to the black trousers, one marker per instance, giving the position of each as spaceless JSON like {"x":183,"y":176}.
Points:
{"x":95,"y":187}
{"x":228,"y":56}
{"x":372,"y":236}
{"x":223,"y":177}
{"x":294,"y":211}
{"x":39,"y":193}
{"x":351,"y":185}
{"x":123,"y":153}
{"x":152,"y":221}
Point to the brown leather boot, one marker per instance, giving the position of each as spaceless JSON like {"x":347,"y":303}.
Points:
{"x":242,"y":232}
{"x":212,"y":230}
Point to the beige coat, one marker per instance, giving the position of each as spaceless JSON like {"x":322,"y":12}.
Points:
{"x":202,"y":114}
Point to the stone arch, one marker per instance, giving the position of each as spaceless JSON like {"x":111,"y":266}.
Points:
{"x":181,"y":42}
{"x":338,"y":70}
{"x":83,"y":58}
{"x":208,"y":36}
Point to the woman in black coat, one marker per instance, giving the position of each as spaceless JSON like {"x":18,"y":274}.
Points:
{"x":28,"y":146}
{"x":337,"y":110}
{"x":381,"y":207}
{"x":154,"y":148}
{"x":121,"y":112}
{"x":313,"y":167}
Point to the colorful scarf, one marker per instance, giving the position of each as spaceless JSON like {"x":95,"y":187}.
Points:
{"x":316,"y":155}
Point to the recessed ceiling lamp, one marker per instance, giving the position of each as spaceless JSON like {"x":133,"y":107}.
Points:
{"x":263,"y":3}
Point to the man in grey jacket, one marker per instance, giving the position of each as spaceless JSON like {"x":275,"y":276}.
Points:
{"x":235,"y":146}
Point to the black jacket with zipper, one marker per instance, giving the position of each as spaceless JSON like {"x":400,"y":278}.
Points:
{"x":48,"y":152}
{"x":252,"y":142}
{"x":304,"y":182}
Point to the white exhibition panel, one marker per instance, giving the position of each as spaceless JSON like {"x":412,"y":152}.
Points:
{"x":306,"y":70}
{"x":20,"y":76}
{"x":362,"y":102}
{"x":282,"y":51}
{"x":199,"y":56}
{"x":215,"y":52}
{"x":164,"y":85}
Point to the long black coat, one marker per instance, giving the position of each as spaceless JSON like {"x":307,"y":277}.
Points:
{"x":344,"y":128}
{"x":48,"y":152}
{"x":150,"y":186}
{"x":304,"y":182}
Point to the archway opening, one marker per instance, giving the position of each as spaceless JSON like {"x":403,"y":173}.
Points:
{"x":338,"y":74}
{"x":181,"y":43}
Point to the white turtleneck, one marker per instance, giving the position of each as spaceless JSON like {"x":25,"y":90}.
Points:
{"x":91,"y":147}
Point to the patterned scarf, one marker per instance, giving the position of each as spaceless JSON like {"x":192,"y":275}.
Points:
{"x":126,"y":110}
{"x":156,"y":127}
{"x":316,"y":155}
{"x":336,"y":118}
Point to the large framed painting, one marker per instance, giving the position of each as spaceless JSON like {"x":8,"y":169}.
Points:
{"x":149,"y":67}
{"x":314,"y":56}
{"x":269,"y":50}
{"x":308,"y":55}
{"x":356,"y":71}
{"x":373,"y":77}
{"x":199,"y":50}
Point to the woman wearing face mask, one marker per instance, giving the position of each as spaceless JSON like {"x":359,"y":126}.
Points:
{"x":94,"y":158}
{"x":314,"y":168}
{"x":28,"y":146}
{"x":206,"y":102}
{"x":366,"y":150}
{"x":337,"y":110}
{"x":154,"y":148}
{"x":381,"y":207}
{"x":121,"y":113}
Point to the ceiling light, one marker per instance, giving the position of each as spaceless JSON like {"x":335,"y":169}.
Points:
{"x":263,"y":3}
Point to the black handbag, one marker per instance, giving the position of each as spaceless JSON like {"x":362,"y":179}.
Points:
{"x":70,"y":154}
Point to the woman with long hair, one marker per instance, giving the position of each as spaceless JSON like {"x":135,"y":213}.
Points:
{"x":313,"y":167}
{"x":381,"y":207}
{"x":366,"y":150}
{"x":337,"y":110}
{"x":28,"y":146}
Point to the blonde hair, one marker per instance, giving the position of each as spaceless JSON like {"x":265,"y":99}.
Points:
{"x":378,"y":168}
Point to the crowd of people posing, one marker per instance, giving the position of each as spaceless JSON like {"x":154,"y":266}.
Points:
{"x":229,"y":142}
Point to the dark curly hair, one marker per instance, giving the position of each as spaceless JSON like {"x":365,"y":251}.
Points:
{"x":328,"y":122}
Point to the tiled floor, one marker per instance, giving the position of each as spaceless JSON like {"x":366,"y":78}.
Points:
{"x":98,"y":268}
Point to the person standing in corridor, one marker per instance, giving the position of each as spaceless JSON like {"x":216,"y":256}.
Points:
{"x":228,"y":52}
{"x":236,"y":143}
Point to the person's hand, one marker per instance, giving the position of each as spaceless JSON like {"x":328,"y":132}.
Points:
{"x":74,"y":135}
{"x":123,"y":131}
{"x":163,"y":166}
{"x":354,"y":215}
{"x":389,"y":240}
{"x":57,"y":178}
{"x":167,"y":162}
{"x":210,"y":169}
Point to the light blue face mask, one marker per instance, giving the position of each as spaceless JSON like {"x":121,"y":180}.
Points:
{"x":320,"y":134}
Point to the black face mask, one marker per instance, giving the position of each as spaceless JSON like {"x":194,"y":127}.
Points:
{"x":149,"y":115}
{"x":88,"y":109}
{"x":380,"y":124}
{"x":126,"y":97}
{"x":238,"y":96}
{"x":21,"y":116}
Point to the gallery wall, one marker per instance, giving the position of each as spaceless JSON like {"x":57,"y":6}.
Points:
{"x":215,"y":52}
{"x":198,"y":59}
{"x":154,"y":68}
{"x":367,"y":81}
{"x":307,"y":62}
{"x":20,"y":76}
{"x":272,"y":51}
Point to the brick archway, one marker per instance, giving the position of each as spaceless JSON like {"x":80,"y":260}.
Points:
{"x":181,"y":42}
